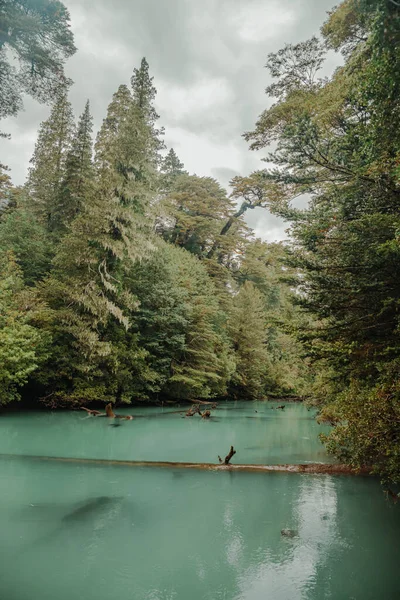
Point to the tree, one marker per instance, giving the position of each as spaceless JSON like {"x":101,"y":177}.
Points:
{"x":35,"y":36}
{"x":48,"y":162}
{"x":247,"y":329}
{"x":79,"y":173}
{"x":339,"y":141}
{"x":89,"y":290}
{"x":171,"y":168}
{"x":181,"y":325}
{"x":22,"y":347}
{"x":106,"y":138}
{"x":295,"y":66}
{"x":27,"y":238}
{"x":197,"y":206}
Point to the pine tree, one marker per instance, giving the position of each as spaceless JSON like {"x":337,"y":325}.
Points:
{"x":106,"y":138}
{"x":144,"y":93}
{"x":49,"y":160}
{"x":171,"y":168}
{"x":79,"y":173}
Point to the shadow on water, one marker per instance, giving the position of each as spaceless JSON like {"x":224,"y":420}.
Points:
{"x":81,"y":514}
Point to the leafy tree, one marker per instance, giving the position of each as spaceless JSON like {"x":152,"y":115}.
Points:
{"x":339,"y":142}
{"x":35,"y":40}
{"x":181,"y":325}
{"x":22,"y":347}
{"x":48,"y":162}
{"x":295,"y":67}
{"x":248,"y":332}
{"x":197,"y":206}
{"x":33,"y":250}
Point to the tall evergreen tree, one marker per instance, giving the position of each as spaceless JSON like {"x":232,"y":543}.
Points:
{"x":79,"y":173}
{"x":105,"y":146}
{"x":48,"y":162}
{"x":89,"y":289}
{"x":144,"y":93}
{"x":171,"y":168}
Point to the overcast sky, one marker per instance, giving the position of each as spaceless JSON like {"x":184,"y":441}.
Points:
{"x":207,"y":58}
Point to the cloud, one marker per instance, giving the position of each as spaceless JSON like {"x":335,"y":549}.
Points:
{"x":208,"y":61}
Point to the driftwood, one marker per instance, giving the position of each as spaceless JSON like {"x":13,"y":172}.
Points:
{"x":94,"y":413}
{"x":281,"y":406}
{"x":227,"y":457}
{"x":109,"y":413}
{"x":194,"y":410}
{"x":309,"y":468}
{"x":206,"y":414}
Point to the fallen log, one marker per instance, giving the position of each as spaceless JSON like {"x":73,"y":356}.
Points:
{"x":193,"y":411}
{"x":111,"y":414}
{"x":309,"y":468}
{"x":94,"y":413}
{"x":228,"y":457}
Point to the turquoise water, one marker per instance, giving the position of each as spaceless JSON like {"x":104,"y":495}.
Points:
{"x":266,"y":436}
{"x":76,"y":531}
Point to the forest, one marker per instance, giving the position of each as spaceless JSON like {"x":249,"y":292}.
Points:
{"x":126,"y":279}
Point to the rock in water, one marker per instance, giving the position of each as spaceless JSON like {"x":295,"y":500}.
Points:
{"x":291,"y":533}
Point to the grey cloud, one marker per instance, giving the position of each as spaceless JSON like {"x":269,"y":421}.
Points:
{"x":207,"y":59}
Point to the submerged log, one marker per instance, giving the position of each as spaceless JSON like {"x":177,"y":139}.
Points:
{"x":311,"y":468}
{"x":227,"y":457}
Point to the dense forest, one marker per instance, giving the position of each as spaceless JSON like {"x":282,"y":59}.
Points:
{"x":125,"y":278}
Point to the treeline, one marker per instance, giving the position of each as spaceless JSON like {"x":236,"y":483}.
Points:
{"x":126,"y":279}
{"x":337,"y":139}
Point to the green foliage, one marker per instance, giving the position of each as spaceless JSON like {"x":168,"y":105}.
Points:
{"x":248,"y":331}
{"x":35,"y":40}
{"x":77,"y":182}
{"x":21,"y":232}
{"x":339,"y":141}
{"x":145,"y":278}
{"x":49,"y":160}
{"x":22,"y":347}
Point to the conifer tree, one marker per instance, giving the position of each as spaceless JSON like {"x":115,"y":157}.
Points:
{"x":49,"y":160}
{"x":171,"y":168}
{"x":89,"y":289}
{"x":106,"y":138}
{"x":144,"y":93}
{"x":78,"y":179}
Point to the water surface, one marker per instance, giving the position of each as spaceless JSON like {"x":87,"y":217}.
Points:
{"x":260,"y":432}
{"x":76,"y":531}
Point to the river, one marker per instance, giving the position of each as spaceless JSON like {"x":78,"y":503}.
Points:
{"x":87,"y":531}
